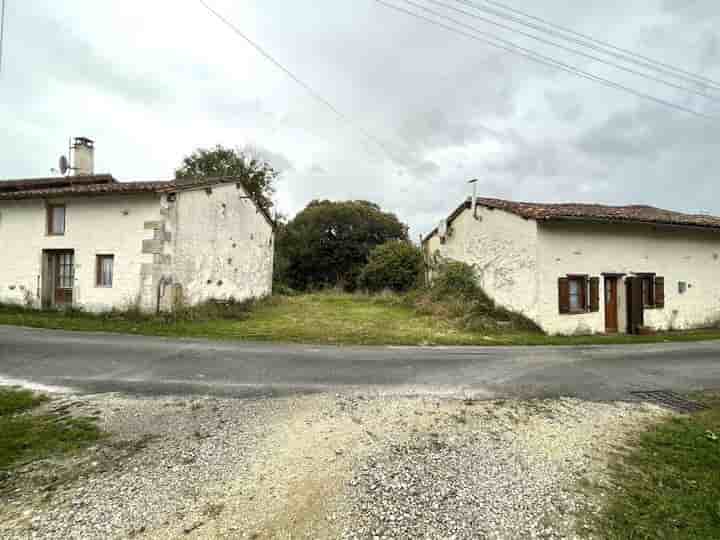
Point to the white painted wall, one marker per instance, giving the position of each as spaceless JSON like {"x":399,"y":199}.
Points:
{"x":222,"y":247}
{"x":675,"y":254}
{"x":94,"y":225}
{"x":503,"y":249}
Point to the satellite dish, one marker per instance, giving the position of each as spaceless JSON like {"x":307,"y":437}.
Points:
{"x":63,"y":165}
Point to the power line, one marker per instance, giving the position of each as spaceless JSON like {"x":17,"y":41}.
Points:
{"x":509,"y":46}
{"x":2,"y":33}
{"x":574,"y":51}
{"x":608,"y":48}
{"x":316,"y":95}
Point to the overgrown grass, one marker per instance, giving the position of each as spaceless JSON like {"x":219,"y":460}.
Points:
{"x":328,"y":318}
{"x":26,"y":435}
{"x":669,"y":486}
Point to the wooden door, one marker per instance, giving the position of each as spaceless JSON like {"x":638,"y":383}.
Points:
{"x":634,"y":299}
{"x":611,"y":305}
{"x":64,"y":270}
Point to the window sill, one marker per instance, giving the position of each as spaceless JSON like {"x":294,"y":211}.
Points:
{"x":55,"y":234}
{"x":577,"y":312}
{"x":103,"y":286}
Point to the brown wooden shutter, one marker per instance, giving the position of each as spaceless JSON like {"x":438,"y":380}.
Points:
{"x":659,"y":292}
{"x":564,"y":295}
{"x":594,"y":294}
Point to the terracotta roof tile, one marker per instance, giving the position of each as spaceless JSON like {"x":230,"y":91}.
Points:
{"x":592,"y":213}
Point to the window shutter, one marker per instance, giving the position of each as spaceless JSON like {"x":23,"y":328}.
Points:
{"x":594,"y":294}
{"x":660,"y":292}
{"x":564,"y":295}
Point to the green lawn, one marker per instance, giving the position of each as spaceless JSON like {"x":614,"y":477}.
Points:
{"x":26,"y":436}
{"x":323,"y":318}
{"x":669,"y":486}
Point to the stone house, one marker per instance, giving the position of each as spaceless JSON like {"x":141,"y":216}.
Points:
{"x":587,"y":268}
{"x":92,"y":242}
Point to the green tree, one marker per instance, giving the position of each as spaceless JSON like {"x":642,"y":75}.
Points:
{"x":394,"y":265}
{"x":258,"y":175}
{"x":328,"y":243}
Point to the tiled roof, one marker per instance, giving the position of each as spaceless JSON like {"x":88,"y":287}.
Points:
{"x":53,"y":182}
{"x":592,"y":213}
{"x":68,"y":186}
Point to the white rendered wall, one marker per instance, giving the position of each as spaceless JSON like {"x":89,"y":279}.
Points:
{"x":502,"y":248}
{"x":222,"y":247}
{"x":677,"y":255}
{"x":107,"y":225}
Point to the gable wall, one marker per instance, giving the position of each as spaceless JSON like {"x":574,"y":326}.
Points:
{"x":676,"y":255}
{"x":220,"y":246}
{"x":502,"y":248}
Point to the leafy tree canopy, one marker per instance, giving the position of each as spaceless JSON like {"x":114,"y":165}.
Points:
{"x":328,"y":243}
{"x":257,"y":175}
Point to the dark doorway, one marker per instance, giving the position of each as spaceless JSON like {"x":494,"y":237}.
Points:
{"x":635,"y":309}
{"x":611,"y":305}
{"x":58,"y":278}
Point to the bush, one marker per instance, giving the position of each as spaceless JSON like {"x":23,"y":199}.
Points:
{"x":396,"y":266}
{"x":453,"y":278}
{"x":455,"y":295}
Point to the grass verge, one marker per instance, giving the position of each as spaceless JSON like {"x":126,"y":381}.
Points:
{"x":669,"y":486}
{"x":27,"y":435}
{"x":324,"y":318}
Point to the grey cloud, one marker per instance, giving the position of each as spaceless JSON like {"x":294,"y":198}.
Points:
{"x":53,"y":50}
{"x":447,"y":108}
{"x":277,"y":160}
{"x":565,"y":105}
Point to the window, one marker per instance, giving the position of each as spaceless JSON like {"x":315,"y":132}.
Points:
{"x":653,"y":290}
{"x":56,"y":219}
{"x":579,"y":294}
{"x":105,"y":270}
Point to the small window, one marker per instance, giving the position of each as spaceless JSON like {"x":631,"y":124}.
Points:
{"x":105,"y":265}
{"x":56,"y":219}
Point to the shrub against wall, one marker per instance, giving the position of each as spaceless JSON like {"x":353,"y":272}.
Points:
{"x":455,"y":295}
{"x":397,"y":266}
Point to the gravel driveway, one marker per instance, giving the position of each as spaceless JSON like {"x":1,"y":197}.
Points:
{"x":322,"y":466}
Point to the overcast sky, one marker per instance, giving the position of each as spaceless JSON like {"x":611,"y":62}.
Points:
{"x":152,"y":80}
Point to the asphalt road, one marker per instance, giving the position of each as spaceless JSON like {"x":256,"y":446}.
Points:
{"x":94,"y":363}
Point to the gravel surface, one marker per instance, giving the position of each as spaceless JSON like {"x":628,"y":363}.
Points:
{"x":502,"y":472}
{"x":322,"y":466}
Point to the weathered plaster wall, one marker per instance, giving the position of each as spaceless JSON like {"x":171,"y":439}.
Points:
{"x":218,"y":246}
{"x":98,"y":225}
{"x":677,"y":255}
{"x":503,"y":249}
